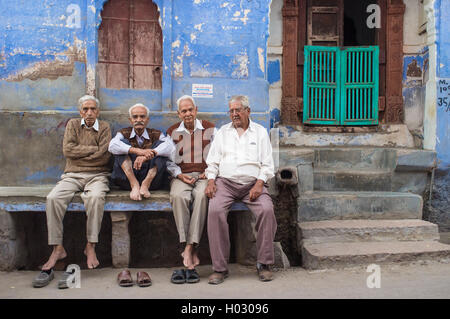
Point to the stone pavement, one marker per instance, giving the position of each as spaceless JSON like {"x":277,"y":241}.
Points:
{"x":419,"y":280}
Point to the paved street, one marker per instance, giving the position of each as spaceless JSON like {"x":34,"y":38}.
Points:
{"x":419,"y":280}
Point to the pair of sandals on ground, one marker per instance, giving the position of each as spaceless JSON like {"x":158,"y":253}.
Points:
{"x":179,"y":276}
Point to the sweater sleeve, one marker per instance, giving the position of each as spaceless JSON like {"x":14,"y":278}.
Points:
{"x":101,"y":156}
{"x":71,"y":145}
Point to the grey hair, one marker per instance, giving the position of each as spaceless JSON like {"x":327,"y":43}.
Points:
{"x":88,"y":98}
{"x":139,"y":105}
{"x":185,"y":97}
{"x":240,"y":98}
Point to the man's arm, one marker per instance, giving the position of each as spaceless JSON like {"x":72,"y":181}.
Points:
{"x":166,"y":148}
{"x":99,"y":157}
{"x":71,"y":147}
{"x":214,"y":156}
{"x":266,"y":158}
{"x":103,"y":143}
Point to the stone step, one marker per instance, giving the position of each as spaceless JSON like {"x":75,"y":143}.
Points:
{"x":341,"y":255}
{"x":317,"y":206}
{"x":356,"y":158}
{"x":356,"y":180}
{"x":363,"y":230}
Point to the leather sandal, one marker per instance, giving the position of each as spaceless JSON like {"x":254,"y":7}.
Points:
{"x":217,"y":277}
{"x":143,"y":279}
{"x":178,"y":276}
{"x":192,"y":276}
{"x":124,"y":279}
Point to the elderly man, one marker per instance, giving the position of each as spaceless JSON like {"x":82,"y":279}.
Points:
{"x":192,"y":138}
{"x":140,"y":155}
{"x":85,"y":147}
{"x":239,"y":164}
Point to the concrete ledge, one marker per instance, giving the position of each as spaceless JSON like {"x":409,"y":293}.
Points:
{"x":359,"y":205}
{"x":341,"y":255}
{"x":32,"y":199}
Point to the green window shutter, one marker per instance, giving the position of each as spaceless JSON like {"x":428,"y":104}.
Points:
{"x":359,"y":91}
{"x":321,"y":82}
{"x":340,"y":85}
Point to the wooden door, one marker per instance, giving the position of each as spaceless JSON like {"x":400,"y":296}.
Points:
{"x":130,"y":46}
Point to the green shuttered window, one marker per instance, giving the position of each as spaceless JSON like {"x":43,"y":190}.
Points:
{"x":341,"y":85}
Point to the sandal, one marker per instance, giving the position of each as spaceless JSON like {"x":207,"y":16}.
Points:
{"x":178,"y":276}
{"x":143,"y":279}
{"x":192,"y":276}
{"x":124,"y":279}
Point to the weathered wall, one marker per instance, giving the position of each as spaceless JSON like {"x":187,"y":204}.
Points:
{"x":48,"y":58}
{"x":438,"y":210}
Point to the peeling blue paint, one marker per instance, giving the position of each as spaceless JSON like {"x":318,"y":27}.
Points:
{"x":273,"y":71}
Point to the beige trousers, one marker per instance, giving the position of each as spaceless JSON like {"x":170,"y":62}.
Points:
{"x":93,"y":186}
{"x":182,"y":195}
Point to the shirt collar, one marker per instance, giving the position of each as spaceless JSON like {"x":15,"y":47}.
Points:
{"x":144,"y":135}
{"x":251,"y":125}
{"x":197,"y":125}
{"x":95,"y":126}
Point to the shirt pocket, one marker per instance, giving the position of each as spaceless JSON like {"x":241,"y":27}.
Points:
{"x":251,"y":152}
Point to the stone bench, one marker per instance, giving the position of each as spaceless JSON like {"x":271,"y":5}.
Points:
{"x":120,"y":207}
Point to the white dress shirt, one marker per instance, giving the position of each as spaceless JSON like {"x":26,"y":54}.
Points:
{"x":117,"y":147}
{"x":241,"y":159}
{"x":172,"y":167}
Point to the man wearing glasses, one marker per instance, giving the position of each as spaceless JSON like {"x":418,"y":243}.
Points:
{"x":239,"y":164}
{"x":140,"y":155}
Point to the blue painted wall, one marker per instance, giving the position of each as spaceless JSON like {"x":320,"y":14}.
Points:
{"x":49,"y":53}
{"x":222,"y":43}
{"x":442,"y":8}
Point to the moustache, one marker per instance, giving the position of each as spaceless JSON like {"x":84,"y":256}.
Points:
{"x":139,"y":123}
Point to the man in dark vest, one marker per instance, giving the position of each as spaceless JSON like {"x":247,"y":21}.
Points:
{"x":192,"y":138}
{"x":140,"y":155}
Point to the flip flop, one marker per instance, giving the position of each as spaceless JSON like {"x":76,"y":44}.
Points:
{"x":178,"y":276}
{"x":62,"y":283}
{"x":43,"y":279}
{"x":143,"y":279}
{"x":124,"y":279}
{"x":192,"y":276}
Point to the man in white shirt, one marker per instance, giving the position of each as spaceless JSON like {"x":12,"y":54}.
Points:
{"x":140,"y":155}
{"x":239,"y":164}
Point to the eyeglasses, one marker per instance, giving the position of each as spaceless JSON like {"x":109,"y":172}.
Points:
{"x":238,"y":110}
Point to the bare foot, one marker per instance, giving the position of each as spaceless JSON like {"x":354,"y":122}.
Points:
{"x":135,"y":194}
{"x":147,"y":182}
{"x":144,"y":191}
{"x":58,"y":253}
{"x":187,"y":259}
{"x":92,"y":261}
{"x":195,"y":259}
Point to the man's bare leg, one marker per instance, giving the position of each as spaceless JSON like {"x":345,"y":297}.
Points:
{"x":58,"y":253}
{"x":92,"y":261}
{"x":128,"y":170}
{"x":147,"y":182}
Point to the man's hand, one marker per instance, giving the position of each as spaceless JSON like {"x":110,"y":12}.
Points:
{"x":148,"y":153}
{"x":186,"y":179}
{"x":202,"y":176}
{"x":210,"y":190}
{"x":256,"y":190}
{"x":139,"y":161}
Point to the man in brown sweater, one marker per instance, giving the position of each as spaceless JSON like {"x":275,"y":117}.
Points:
{"x":192,"y":138}
{"x":85,"y":147}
